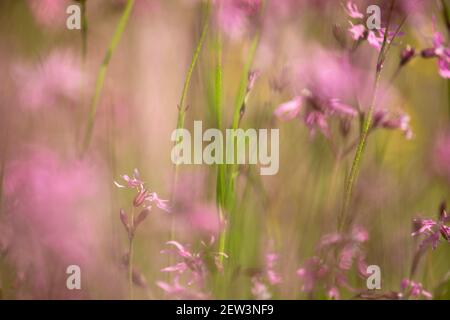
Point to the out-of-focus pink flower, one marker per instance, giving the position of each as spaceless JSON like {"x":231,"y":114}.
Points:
{"x":317,"y":111}
{"x":57,"y":79}
{"x":181,"y":292}
{"x":353,"y":11}
{"x":336,"y":255}
{"x":314,"y":270}
{"x":190,"y":261}
{"x":194,"y":262}
{"x":52,"y":203}
{"x":192,"y":211}
{"x":414,"y":289}
{"x":50,"y":13}
{"x":235,"y":17}
{"x":266,"y":278}
{"x":260,"y":290}
{"x":439,"y":50}
{"x":289,"y":110}
{"x":336,"y":106}
{"x":357,"y":31}
{"x":432,"y":230}
{"x":272,"y":276}
{"x":375,"y":40}
{"x":333,"y":293}
{"x":393,"y":121}
{"x":192,"y":266}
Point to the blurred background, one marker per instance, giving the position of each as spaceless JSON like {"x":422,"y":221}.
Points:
{"x":60,"y":207}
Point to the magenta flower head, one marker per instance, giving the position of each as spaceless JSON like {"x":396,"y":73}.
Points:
{"x":317,"y":111}
{"x":359,"y":31}
{"x":143,"y":197}
{"x":193,"y":266}
{"x":237,"y":17}
{"x":414,"y":289}
{"x":353,"y":11}
{"x":336,"y":255}
{"x":441,"y":52}
{"x":433,"y":230}
{"x":393,"y":121}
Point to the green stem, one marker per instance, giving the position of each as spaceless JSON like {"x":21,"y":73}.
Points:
{"x":358,"y":155}
{"x":187,"y":81}
{"x":102,"y":72}
{"x":84,"y":28}
{"x":354,"y":171}
{"x":130,"y":256}
{"x":446,"y":13}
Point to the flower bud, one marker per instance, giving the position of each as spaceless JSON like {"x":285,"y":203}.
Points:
{"x":124,"y":219}
{"x":141,"y":217}
{"x":428,"y":53}
{"x":406,"y":55}
{"x":140,"y":198}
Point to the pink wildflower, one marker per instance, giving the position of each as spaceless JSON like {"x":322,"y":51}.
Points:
{"x":50,"y":13}
{"x":432,"y":230}
{"x":144,"y":197}
{"x":235,"y":17}
{"x":336,"y":255}
{"x":317,"y":111}
{"x":46,"y":203}
{"x":58,"y":78}
{"x":414,"y":289}
{"x":353,"y":11}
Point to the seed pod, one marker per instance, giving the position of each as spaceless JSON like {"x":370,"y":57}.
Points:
{"x":124,"y":219}
{"x":140,"y":198}
{"x":406,"y":55}
{"x":141,"y":217}
{"x":428,"y":53}
{"x":138,"y":278}
{"x":442,"y":211}
{"x":340,"y":35}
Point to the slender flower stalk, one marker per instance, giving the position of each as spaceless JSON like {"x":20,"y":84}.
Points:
{"x":130,"y":255}
{"x":84,"y":29}
{"x":143,"y":199}
{"x":102,"y":72}
{"x":446,"y":14}
{"x":353,"y":175}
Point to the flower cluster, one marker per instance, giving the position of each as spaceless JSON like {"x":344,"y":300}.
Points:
{"x":439,"y":50}
{"x":317,"y":111}
{"x":268,"y":276}
{"x":337,"y":254}
{"x":360,"y":32}
{"x":433,"y":230}
{"x":414,"y":290}
{"x":194,"y":266}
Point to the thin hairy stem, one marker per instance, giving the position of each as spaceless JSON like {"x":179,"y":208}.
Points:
{"x":354,"y":171}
